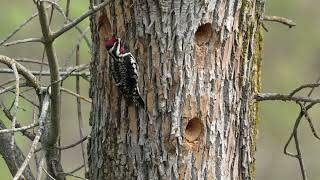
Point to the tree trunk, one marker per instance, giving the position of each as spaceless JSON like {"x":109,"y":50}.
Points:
{"x":199,"y":64}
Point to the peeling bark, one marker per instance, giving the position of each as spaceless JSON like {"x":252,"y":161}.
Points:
{"x":199,"y":67}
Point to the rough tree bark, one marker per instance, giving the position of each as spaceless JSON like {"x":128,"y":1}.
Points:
{"x":199,"y":68}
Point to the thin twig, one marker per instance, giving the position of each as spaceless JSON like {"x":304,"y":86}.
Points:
{"x":22,"y":70}
{"x":68,"y":58}
{"x":8,"y":82}
{"x":74,"y":144}
{"x":10,"y":89}
{"x":68,"y":20}
{"x":75,"y":94}
{"x":47,"y":73}
{"x":79,"y":19}
{"x":68,"y":146}
{"x":68,"y":174}
{"x":295,"y":129}
{"x":313,"y":85}
{"x":9,"y":116}
{"x":22,"y":41}
{"x":67,"y":8}
{"x":281,"y":20}
{"x":36,"y":140}
{"x":284,"y":97}
{"x":56,"y":6}
{"x":264,"y":27}
{"x":299,"y":156}
{"x":77,"y":169}
{"x":23,"y":24}
{"x":13,"y":159}
{"x":80,"y":120}
{"x":15,"y":104}
{"x":19,"y":129}
{"x":26,"y":60}
{"x":44,"y":169}
{"x":39,"y":172}
{"x":307,"y":116}
{"x":18,"y":28}
{"x":70,"y":71}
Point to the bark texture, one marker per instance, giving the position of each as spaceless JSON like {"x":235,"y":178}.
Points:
{"x":199,"y":67}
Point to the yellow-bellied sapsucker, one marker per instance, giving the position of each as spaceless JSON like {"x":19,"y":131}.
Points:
{"x":124,"y":70}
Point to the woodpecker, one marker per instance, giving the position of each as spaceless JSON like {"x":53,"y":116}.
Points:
{"x":124,"y":70}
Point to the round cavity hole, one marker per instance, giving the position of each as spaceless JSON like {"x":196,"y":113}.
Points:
{"x":203,"y":34}
{"x":194,"y":129}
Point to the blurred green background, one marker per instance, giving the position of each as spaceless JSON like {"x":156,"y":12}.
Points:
{"x":291,"y":58}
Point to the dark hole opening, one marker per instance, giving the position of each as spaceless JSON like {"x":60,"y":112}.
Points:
{"x":194,"y":129}
{"x":203,"y":34}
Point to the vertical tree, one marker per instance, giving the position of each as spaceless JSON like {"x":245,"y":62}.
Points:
{"x":199,"y":68}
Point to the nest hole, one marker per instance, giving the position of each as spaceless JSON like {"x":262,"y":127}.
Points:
{"x":203,"y":33}
{"x":194,"y":129}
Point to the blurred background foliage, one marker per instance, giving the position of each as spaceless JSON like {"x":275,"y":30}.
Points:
{"x":291,"y":58}
{"x":13,"y":13}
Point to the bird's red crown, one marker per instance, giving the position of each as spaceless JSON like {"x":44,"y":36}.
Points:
{"x":110,"y":42}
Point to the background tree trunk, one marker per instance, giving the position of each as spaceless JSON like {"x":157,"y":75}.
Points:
{"x":199,"y":67}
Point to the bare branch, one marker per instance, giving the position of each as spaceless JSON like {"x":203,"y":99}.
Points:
{"x":68,"y":20}
{"x":54,"y":71}
{"x":307,"y":116}
{"x":22,"y":70}
{"x":80,"y":120}
{"x":52,"y":132}
{"x":284,"y":97}
{"x":76,"y":169}
{"x":68,"y":146}
{"x":48,"y":173}
{"x":313,"y":85}
{"x":75,"y":94}
{"x":18,"y":28}
{"x":47,"y":73}
{"x":281,"y":20}
{"x":71,"y":71}
{"x":69,"y":174}
{"x":13,"y":159}
{"x":8,"y":82}
{"x":67,"y":8}
{"x":299,"y":156}
{"x":19,"y":129}
{"x":74,"y":144}
{"x":36,"y":140}
{"x":26,"y":60}
{"x":10,"y":89}
{"x":22,"y":41}
{"x":70,"y":25}
{"x":294,"y":134}
{"x":9,"y":116}
{"x":82,"y":36}
{"x":15,"y":104}
{"x":56,"y":5}
{"x":23,"y":24}
{"x":264,"y":27}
